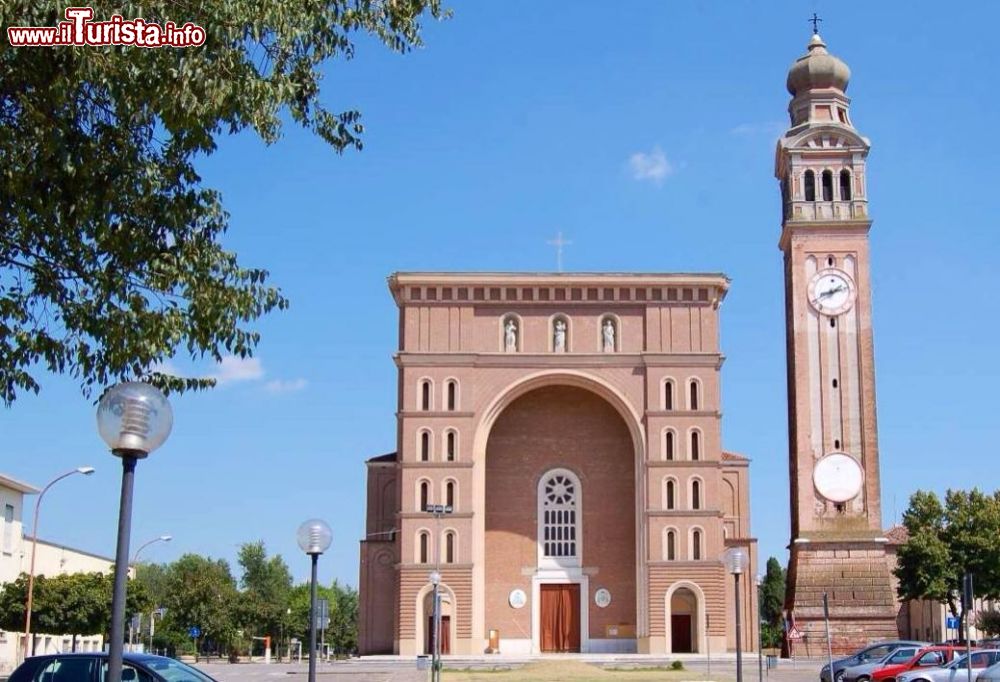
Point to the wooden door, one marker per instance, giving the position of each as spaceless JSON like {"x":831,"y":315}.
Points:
{"x":445,"y":635}
{"x":560,"y":618}
{"x":680,"y":634}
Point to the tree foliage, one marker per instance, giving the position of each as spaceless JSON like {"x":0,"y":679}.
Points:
{"x":201,"y":592}
{"x":267,"y":588}
{"x":70,"y":604}
{"x":111,"y":258}
{"x":946,"y":541}
{"x":772,"y":601}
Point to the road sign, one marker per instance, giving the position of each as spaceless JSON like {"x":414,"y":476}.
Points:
{"x":194,"y":631}
{"x":794,"y":633}
{"x":951,"y":622}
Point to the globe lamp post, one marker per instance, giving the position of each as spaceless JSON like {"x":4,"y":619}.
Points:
{"x":435,"y":578}
{"x":314,"y":538}
{"x":735,"y":560}
{"x":133,"y":418}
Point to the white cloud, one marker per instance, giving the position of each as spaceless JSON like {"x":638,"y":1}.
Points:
{"x":285,"y":385}
{"x":233,"y":368}
{"x":653,"y":166}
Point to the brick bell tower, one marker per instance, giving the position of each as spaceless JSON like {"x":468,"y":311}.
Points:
{"x":837,"y":544}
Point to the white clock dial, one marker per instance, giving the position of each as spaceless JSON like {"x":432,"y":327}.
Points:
{"x":831,"y":291}
{"x":838,"y":477}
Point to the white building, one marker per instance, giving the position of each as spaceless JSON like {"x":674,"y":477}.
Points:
{"x":53,"y":559}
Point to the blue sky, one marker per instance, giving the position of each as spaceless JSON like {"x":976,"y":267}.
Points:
{"x":519,"y":119}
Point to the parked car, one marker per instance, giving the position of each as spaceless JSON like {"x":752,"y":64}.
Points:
{"x":871,"y":653}
{"x":93,"y":667}
{"x":956,"y":671}
{"x":863,"y":672}
{"x":928,"y":657}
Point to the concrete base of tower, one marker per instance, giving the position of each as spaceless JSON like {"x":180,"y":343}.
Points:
{"x":856,"y":577}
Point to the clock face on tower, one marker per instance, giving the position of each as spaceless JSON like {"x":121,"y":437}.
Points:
{"x":831,"y":291}
{"x":838,"y":477}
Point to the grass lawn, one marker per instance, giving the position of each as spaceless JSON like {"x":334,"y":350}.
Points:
{"x":571,"y":671}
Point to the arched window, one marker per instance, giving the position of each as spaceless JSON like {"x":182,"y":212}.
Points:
{"x":671,"y":494}
{"x":425,"y":395}
{"x":559,"y":518}
{"x":450,"y":446}
{"x":668,"y":445}
{"x":670,"y":551}
{"x":424,"y":549}
{"x":449,"y":547}
{"x":696,"y":494}
{"x":425,"y":446}
{"x":451,"y":396}
{"x":845,"y":185}
{"x":668,"y":394}
{"x":696,"y":545}
{"x":827,"y":186}
{"x":693,"y":395}
{"x":695,"y":445}
{"x":810,"y":185}
{"x":425,"y":495}
{"x":449,"y":494}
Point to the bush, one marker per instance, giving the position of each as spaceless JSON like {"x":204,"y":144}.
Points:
{"x":677,"y":665}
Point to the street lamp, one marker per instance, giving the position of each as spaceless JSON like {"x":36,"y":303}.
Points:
{"x":735,"y":560}
{"x":134,"y":419}
{"x":162,"y":538}
{"x":760,"y":632}
{"x":438,"y":511}
{"x":314,"y":538}
{"x":86,"y":471}
{"x":435,"y":578}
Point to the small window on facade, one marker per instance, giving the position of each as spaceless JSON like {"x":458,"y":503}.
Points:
{"x":835,"y":383}
{"x":671,"y":494}
{"x":833,"y":322}
{"x":449,"y":548}
{"x":695,"y":494}
{"x":450,"y":448}
{"x":696,"y":545}
{"x":425,"y":446}
{"x":668,"y":395}
{"x":425,"y":395}
{"x":8,"y":528}
{"x":668,"y":446}
{"x":836,"y":444}
{"x":671,"y":545}
{"x":449,"y":494}
{"x":425,"y":495}
{"x":695,"y":445}
{"x":694,"y":395}
{"x":842,"y":115}
{"x":424,"y":547}
{"x":845,"y":185}
{"x":827,"y":186}
{"x":452,"y":396}
{"x":810,"y":185}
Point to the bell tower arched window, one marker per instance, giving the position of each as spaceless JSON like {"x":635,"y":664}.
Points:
{"x":559,"y":514}
{"x":810,"y":185}
{"x":669,"y":445}
{"x":668,"y":394}
{"x":827,"y":185}
{"x":845,"y":185}
{"x":425,"y":446}
{"x":693,"y":398}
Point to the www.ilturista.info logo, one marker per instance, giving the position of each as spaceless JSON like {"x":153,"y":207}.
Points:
{"x":78,"y":29}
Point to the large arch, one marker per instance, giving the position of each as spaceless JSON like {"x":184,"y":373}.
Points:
{"x":698,"y":630}
{"x":631,"y":420}
{"x":424,"y":608}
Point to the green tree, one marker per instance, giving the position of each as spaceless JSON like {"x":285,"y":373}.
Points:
{"x":989,"y":622}
{"x":111,"y":258}
{"x":202,"y":592}
{"x":946,"y":541}
{"x":342,"y":633}
{"x":267,"y":588}
{"x":772,"y":601}
{"x":71,"y":604}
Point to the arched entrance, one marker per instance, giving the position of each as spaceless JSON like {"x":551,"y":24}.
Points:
{"x":685,"y":614}
{"x":425,"y":619}
{"x":560,"y":510}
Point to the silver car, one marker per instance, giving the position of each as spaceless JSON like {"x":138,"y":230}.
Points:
{"x":985,"y":666}
{"x":863,"y":672}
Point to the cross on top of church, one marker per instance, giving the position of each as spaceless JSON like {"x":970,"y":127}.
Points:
{"x":815,"y":22}
{"x":559,"y":243}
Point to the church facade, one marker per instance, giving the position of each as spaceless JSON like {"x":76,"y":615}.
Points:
{"x":570,"y":425}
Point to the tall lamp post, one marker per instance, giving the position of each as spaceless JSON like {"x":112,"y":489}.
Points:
{"x":314,"y":538}
{"x":735,"y":560}
{"x":162,"y":538}
{"x":134,"y":419}
{"x":86,"y":471}
{"x":438,"y":511}
{"x":760,"y":632}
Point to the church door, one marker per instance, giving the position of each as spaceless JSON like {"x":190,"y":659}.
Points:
{"x":445,"y":635}
{"x":680,"y":633}
{"x":560,"y":618}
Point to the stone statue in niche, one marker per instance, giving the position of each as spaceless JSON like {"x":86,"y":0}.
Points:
{"x":608,"y":335}
{"x":559,"y":337}
{"x":510,"y":336}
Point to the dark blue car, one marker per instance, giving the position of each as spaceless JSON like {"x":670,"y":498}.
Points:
{"x":93,"y":667}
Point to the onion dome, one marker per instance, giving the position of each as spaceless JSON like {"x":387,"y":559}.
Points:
{"x":817,"y":69}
